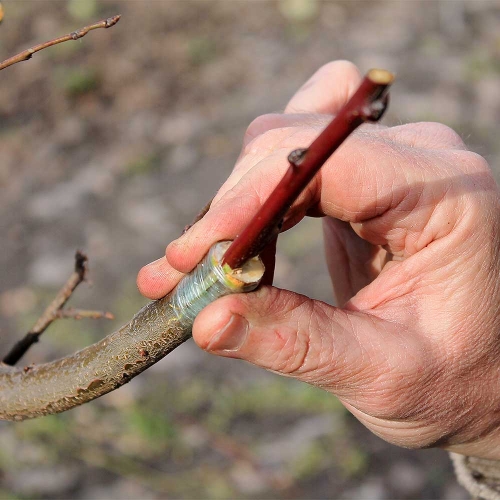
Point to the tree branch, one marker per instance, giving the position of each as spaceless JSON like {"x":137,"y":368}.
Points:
{"x":150,"y":335}
{"x":200,"y":216}
{"x":75,"y":35}
{"x":73,"y":313}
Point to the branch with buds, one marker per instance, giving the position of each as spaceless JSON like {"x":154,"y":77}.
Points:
{"x":27,"y":54}
{"x":55,"y":309}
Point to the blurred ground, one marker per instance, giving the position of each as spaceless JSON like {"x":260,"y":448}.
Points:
{"x":113,"y":143}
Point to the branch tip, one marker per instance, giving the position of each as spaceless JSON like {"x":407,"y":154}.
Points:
{"x":55,"y":311}
{"x":74,"y":35}
{"x":381,"y":76}
{"x":81,"y":264}
{"x":111,"y":21}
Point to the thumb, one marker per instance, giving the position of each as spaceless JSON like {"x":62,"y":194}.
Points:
{"x":290,"y":334}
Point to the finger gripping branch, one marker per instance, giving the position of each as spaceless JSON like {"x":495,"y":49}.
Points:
{"x":368,"y":103}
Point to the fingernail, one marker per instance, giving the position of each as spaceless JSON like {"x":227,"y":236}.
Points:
{"x":231,"y":336}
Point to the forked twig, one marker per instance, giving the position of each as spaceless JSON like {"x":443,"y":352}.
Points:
{"x":75,"y":35}
{"x":55,"y":311}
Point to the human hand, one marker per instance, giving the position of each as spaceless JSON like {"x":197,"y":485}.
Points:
{"x":411,"y":233}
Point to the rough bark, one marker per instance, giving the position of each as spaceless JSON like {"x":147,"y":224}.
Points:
{"x":153,"y":332}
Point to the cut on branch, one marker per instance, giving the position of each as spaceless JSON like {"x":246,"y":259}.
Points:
{"x":74,"y":35}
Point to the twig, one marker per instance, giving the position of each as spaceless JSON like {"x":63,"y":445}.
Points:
{"x":200,"y":216}
{"x":54,"y":311}
{"x":72,"y":313}
{"x":75,"y":35}
{"x":367,"y":104}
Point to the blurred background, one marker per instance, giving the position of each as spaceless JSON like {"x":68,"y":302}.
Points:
{"x":112,"y":143}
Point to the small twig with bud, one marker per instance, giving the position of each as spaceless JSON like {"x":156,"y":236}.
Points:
{"x":75,"y":35}
{"x":55,"y":311}
{"x":367,"y":104}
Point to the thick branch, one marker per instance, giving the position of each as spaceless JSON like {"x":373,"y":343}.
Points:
{"x":367,"y":104}
{"x":75,"y":35}
{"x":153,"y":332}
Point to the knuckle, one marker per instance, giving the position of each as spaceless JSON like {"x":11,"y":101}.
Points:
{"x":242,"y":199}
{"x":476,"y":162}
{"x":444,"y":134}
{"x":260,"y":125}
{"x":393,"y":401}
{"x":425,"y":135}
{"x":310,"y":354}
{"x":275,"y":302}
{"x":478,"y":176}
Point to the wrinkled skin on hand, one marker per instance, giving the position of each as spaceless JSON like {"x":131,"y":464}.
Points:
{"x":411,"y":228}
